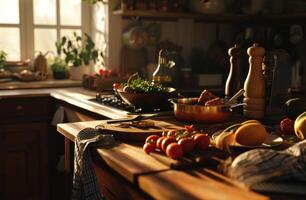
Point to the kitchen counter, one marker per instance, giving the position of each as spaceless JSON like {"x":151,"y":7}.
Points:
{"x":74,"y":96}
{"x":157,"y":179}
{"x":154,"y":177}
{"x":50,"y":83}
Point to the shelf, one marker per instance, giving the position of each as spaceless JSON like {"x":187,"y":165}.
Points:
{"x":212,"y":18}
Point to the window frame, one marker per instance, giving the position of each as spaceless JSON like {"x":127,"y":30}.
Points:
{"x":26,"y":26}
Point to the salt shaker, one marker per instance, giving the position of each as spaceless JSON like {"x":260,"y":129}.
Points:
{"x":235,"y":77}
{"x":254,"y":85}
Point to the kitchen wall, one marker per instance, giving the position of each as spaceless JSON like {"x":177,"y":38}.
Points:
{"x":187,"y":33}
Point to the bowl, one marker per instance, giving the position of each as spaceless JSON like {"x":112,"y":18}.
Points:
{"x":148,"y":101}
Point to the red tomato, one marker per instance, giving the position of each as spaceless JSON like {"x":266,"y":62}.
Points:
{"x":171,"y":133}
{"x":174,"y":151}
{"x":202,"y":141}
{"x":189,"y":128}
{"x":159,"y":142}
{"x":166,"y":142}
{"x":148,"y":147}
{"x":102,"y":72}
{"x":116,"y":86}
{"x":152,"y":139}
{"x":187,"y":144}
{"x":287,"y":126}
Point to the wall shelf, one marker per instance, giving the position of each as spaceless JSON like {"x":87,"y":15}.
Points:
{"x":213,"y":18}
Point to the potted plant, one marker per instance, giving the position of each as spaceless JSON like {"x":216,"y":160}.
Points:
{"x":79,"y":54}
{"x":59,"y":69}
{"x":2,"y":59}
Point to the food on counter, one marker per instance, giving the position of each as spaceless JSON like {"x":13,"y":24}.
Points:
{"x":300,"y":126}
{"x":174,"y":151}
{"x":175,"y":143}
{"x":251,"y":134}
{"x":152,"y":139}
{"x":166,"y":141}
{"x":202,"y":141}
{"x":149,"y":147}
{"x":187,"y":144}
{"x":287,"y":126}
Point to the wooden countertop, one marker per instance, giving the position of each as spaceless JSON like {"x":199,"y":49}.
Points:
{"x":159,"y":180}
{"x":50,"y":83}
{"x":76,"y":96}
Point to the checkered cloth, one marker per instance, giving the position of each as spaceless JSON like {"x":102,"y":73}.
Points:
{"x":267,"y":165}
{"x":85,"y":186}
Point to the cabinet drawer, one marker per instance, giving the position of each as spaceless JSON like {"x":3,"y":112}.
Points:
{"x":28,"y":109}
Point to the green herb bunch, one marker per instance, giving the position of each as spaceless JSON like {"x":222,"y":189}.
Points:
{"x":3,"y":56}
{"x":78,"y":52}
{"x":136,"y":84}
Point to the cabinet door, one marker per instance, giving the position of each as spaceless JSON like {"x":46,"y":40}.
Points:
{"x":23,"y":163}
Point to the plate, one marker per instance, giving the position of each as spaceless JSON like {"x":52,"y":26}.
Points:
{"x":272,"y":140}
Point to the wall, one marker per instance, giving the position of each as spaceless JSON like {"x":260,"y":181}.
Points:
{"x":185,"y":32}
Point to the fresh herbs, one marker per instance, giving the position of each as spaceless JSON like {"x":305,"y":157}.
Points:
{"x":136,"y":84}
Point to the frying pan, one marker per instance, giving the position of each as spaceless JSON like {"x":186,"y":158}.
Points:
{"x":187,"y":109}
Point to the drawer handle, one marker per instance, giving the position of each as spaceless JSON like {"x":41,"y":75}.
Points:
{"x":19,"y":107}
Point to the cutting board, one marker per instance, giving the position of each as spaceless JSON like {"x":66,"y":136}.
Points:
{"x":133,"y":133}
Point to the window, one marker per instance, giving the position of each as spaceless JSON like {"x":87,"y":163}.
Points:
{"x":30,"y":26}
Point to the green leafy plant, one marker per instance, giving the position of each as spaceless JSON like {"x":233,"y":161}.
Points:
{"x":77,"y":51}
{"x":3,"y":56}
{"x":59,"y":68}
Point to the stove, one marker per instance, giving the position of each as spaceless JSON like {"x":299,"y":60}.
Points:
{"x":115,"y":102}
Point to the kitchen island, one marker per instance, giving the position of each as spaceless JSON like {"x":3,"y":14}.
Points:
{"x":126,"y":172}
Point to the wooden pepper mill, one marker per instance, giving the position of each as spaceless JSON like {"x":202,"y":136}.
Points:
{"x":235,"y":77}
{"x":254,"y":85}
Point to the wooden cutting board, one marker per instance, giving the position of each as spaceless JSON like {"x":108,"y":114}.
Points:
{"x":133,"y":133}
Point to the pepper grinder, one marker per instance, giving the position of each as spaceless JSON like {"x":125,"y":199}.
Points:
{"x":235,"y":77}
{"x":254,"y":85}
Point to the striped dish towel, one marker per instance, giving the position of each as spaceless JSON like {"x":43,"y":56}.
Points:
{"x":85,"y":186}
{"x":259,"y":166}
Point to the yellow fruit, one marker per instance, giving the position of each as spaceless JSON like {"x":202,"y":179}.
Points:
{"x":300,"y":126}
{"x":224,"y":140}
{"x":251,"y":134}
{"x":250,"y":121}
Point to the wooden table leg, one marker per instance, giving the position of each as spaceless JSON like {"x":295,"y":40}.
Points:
{"x":67,"y":169}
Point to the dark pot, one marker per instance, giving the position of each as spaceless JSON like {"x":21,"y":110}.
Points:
{"x":59,"y":75}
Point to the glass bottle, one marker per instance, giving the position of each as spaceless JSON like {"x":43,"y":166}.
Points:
{"x":162,"y":74}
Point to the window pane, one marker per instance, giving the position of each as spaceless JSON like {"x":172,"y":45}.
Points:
{"x":44,"y":11}
{"x":70,"y":12}
{"x":69,"y":32}
{"x":9,"y":11}
{"x":45,"y":40}
{"x":10,"y":42}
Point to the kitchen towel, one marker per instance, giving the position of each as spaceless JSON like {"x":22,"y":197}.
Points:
{"x":261,"y":166}
{"x":85,"y":186}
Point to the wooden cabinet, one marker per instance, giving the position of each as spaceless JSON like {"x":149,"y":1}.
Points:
{"x":24,"y":148}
